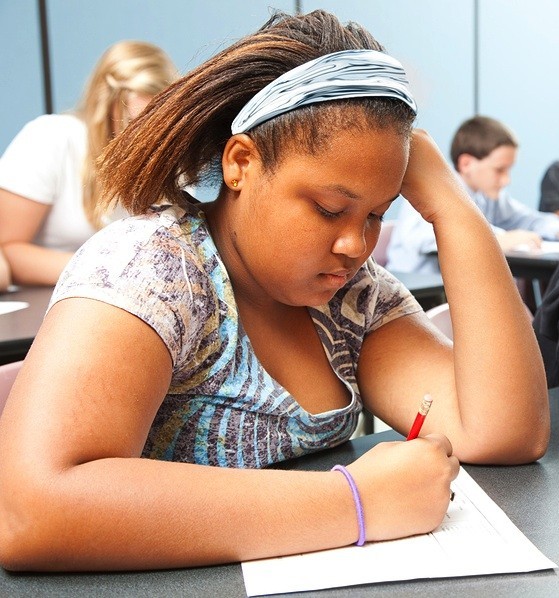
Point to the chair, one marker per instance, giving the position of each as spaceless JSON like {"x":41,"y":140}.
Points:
{"x":8,"y":373}
{"x":379,"y":252}
{"x":440,"y":316}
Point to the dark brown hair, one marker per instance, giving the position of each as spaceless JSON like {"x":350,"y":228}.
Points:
{"x":180,"y":137}
{"x":478,"y":137}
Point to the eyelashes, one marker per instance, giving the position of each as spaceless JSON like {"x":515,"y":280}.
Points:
{"x":331,"y":215}
{"x":326,"y":213}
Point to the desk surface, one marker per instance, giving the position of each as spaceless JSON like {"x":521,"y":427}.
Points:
{"x":529,"y":494}
{"x":428,"y":289}
{"x":525,"y":264}
{"x":18,"y":328}
{"x":421,"y":284}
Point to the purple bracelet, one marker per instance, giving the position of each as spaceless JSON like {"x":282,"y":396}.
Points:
{"x":357,"y":500}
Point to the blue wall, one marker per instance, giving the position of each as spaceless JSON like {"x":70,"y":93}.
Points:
{"x":21,"y":87}
{"x":519,"y":83}
{"x":435,"y":39}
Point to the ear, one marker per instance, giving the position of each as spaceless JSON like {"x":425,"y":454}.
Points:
{"x":239,"y":158}
{"x":465,"y":162}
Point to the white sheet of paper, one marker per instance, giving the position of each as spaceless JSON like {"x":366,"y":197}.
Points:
{"x":7,"y":307}
{"x":476,"y":538}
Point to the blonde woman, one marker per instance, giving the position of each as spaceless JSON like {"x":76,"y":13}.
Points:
{"x":48,"y":174}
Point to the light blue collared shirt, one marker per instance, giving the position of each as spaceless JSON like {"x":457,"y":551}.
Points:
{"x":413,"y":239}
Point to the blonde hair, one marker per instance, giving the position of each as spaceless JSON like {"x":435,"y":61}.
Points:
{"x":125,"y":67}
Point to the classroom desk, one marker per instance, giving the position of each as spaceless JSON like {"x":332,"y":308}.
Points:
{"x":428,"y":289}
{"x":535,"y":267}
{"x":529,"y":494}
{"x":527,"y":264}
{"x":421,"y":285}
{"x":532,"y":265}
{"x":18,"y":328}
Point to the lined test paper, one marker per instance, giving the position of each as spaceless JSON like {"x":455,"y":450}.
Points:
{"x":475,"y":538}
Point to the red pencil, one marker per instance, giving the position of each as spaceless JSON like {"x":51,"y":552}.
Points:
{"x":420,"y":417}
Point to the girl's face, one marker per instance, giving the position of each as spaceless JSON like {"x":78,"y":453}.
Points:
{"x":303,"y":232}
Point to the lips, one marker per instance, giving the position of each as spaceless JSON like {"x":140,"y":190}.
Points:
{"x":336,"y":279}
{"x":340,"y":273}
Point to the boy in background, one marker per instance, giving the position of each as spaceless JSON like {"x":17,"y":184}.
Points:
{"x":483,"y":152}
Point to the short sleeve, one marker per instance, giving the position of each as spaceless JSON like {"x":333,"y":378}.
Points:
{"x":138,"y":266}
{"x":393,"y":300}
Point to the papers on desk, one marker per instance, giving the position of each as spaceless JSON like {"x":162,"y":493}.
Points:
{"x":7,"y":307}
{"x":546,"y":247}
{"x":476,"y":538}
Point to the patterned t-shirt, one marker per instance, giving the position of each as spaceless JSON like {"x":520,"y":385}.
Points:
{"x":222,"y":407}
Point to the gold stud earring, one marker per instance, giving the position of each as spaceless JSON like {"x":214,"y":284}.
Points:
{"x":234,"y":182}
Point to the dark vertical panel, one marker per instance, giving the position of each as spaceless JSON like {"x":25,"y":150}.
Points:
{"x":298,"y":9}
{"x":45,"y":56}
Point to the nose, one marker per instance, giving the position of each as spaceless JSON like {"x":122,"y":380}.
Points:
{"x":352,"y":242}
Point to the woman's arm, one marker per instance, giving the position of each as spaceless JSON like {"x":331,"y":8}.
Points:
{"x":489,"y":389}
{"x":20,"y":219}
{"x":5,"y":274}
{"x":76,"y":496}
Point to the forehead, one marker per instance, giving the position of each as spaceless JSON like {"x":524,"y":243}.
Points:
{"x":360,"y":160}
{"x":503,"y":156}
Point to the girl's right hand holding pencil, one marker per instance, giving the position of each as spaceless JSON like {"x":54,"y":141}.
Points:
{"x":405,"y":486}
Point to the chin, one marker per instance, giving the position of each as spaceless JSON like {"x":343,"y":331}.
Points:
{"x":315,"y":300}
{"x":318,"y":300}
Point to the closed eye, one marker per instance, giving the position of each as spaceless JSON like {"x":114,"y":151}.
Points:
{"x":326,"y":212}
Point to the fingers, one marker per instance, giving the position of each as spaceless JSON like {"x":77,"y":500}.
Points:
{"x":441,"y":440}
{"x":455,"y":467}
{"x":445,"y":445}
{"x":405,"y":486}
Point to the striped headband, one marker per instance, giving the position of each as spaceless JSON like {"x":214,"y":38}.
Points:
{"x":345,"y":74}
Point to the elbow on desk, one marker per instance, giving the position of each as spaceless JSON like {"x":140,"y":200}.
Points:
{"x":30,"y":531}
{"x":514,"y":450}
{"x":18,"y":542}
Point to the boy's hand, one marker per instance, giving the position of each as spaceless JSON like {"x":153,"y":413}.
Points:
{"x":519,"y":239}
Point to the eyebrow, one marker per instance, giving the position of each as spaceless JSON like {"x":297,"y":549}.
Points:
{"x":341,"y":190}
{"x":349,"y":194}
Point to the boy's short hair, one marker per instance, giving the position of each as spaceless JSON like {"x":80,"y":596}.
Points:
{"x":479,"y":136}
